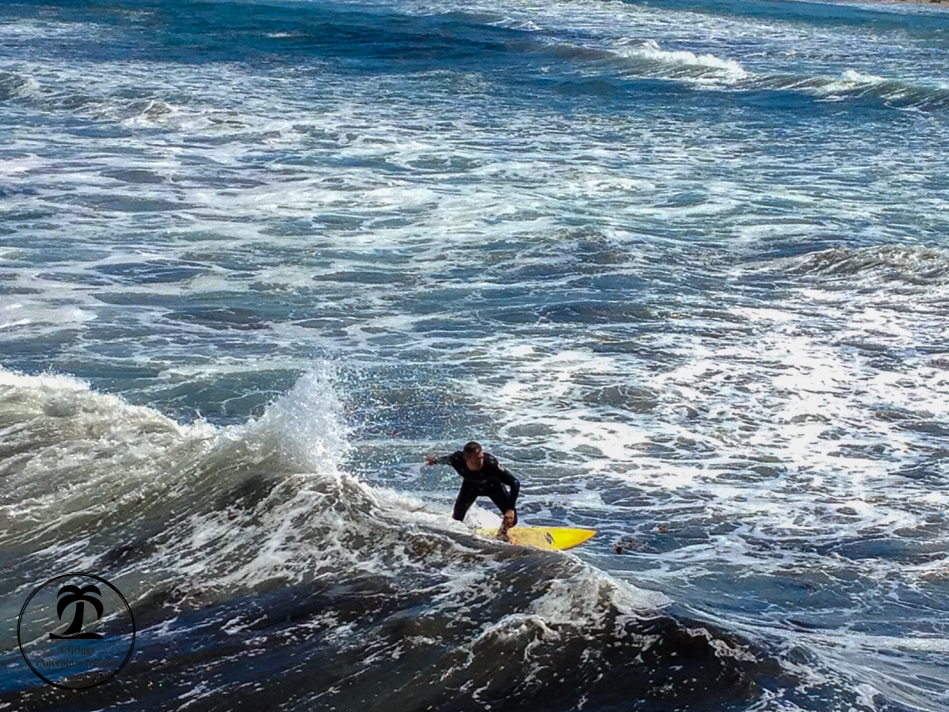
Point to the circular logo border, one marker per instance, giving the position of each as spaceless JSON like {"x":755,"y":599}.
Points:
{"x":30,"y":598}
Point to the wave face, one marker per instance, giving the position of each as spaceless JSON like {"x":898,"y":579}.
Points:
{"x":683,"y":269}
{"x":227,"y":550}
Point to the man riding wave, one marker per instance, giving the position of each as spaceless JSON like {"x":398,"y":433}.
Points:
{"x":482,"y":475}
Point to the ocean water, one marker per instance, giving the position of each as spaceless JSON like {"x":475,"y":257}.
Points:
{"x":682,"y":266}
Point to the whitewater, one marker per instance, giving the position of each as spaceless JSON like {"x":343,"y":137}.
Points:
{"x":682,"y":267}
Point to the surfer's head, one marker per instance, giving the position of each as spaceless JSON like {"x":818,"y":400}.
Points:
{"x":474,"y":455}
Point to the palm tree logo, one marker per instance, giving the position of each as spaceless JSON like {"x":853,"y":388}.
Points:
{"x":69,"y":595}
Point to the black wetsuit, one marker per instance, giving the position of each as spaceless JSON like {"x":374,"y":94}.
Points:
{"x":486,"y":481}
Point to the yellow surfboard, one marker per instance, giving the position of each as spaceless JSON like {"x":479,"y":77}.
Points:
{"x":544,"y":537}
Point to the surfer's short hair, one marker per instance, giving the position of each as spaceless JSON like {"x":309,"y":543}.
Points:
{"x":472,"y":448}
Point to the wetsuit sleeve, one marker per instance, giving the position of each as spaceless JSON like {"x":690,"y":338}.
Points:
{"x":454,"y":459}
{"x":511,"y":481}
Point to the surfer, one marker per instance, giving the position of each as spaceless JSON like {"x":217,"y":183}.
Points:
{"x":481,"y":474}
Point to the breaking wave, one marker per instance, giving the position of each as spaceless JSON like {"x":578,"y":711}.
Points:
{"x":229,"y":540}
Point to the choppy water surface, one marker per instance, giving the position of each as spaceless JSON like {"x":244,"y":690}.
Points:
{"x":682,"y":267}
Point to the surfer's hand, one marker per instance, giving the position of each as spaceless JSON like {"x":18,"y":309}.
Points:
{"x":431,"y":460}
{"x":506,"y":524}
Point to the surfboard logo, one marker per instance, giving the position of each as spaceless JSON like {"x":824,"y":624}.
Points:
{"x":550,"y":538}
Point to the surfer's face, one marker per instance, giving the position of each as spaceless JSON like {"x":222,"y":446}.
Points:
{"x":474,"y":462}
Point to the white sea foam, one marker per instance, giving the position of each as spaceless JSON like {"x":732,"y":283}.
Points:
{"x":593,"y":291}
{"x":684,"y":64}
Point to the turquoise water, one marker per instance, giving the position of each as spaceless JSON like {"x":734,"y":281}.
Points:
{"x":682,"y":267}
